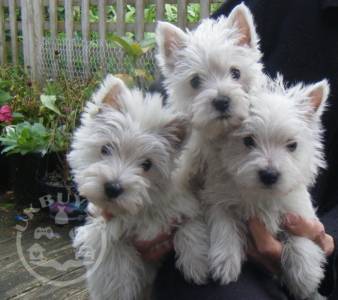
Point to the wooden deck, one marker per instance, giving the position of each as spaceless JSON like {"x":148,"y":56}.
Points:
{"x":16,"y":282}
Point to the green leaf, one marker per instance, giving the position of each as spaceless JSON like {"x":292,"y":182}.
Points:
{"x":48,"y":101}
{"x":4,"y":97}
{"x":17,"y":116}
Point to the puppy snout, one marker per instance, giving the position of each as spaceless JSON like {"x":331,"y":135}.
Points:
{"x":268,"y":176}
{"x":221,"y":103}
{"x":113,"y":189}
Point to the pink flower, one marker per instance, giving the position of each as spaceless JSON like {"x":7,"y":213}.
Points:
{"x":6,"y":114}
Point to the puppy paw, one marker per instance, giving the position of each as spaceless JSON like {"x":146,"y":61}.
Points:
{"x":226,"y":270}
{"x":191,"y":246}
{"x":302,"y":264}
{"x":194,"y":270}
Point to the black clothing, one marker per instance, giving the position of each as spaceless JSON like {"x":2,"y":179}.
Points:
{"x":299,"y":38}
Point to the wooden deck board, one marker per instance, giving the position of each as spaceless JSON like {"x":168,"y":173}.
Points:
{"x":16,"y":282}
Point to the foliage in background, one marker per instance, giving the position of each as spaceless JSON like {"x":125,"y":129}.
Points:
{"x":44,"y":117}
{"x":170,"y":14}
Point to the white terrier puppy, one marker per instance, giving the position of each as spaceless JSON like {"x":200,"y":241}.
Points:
{"x":122,"y":158}
{"x":208,"y":74}
{"x":266,"y":168}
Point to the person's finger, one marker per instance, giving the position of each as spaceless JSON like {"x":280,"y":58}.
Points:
{"x":142,"y":245}
{"x":155,"y":253}
{"x":326,"y":243}
{"x":309,"y":228}
{"x":265,"y":242}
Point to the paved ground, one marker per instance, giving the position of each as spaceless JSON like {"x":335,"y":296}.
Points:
{"x":49,"y":255}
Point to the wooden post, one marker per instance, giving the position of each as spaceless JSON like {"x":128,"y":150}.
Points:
{"x":14,"y":31}
{"x":120,"y":24}
{"x":159,"y":10}
{"x":28,"y":36}
{"x":69,"y":23}
{"x":3,"y":57}
{"x":31,"y":41}
{"x":25,"y":35}
{"x":139,"y":26}
{"x":53,"y":21}
{"x":38,"y":34}
{"x":182,"y":13}
{"x":85,"y":35}
{"x":102,"y":33}
{"x":204,"y":8}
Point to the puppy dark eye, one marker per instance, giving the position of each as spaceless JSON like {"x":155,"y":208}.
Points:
{"x":249,"y":142}
{"x":195,"y":82}
{"x":235,"y":73}
{"x":146,"y":165}
{"x":106,"y":150}
{"x":292,"y":146}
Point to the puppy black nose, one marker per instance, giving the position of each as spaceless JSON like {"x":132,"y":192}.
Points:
{"x":221,"y":103}
{"x":268,"y":176}
{"x":113,"y":189}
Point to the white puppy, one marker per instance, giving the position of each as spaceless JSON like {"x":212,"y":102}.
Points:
{"x":122,"y":158}
{"x":208,"y":73}
{"x":265,"y":170}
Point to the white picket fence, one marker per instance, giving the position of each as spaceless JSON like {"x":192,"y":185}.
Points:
{"x":25,"y":23}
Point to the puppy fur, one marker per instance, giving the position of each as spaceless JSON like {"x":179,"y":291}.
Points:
{"x":265,"y":169}
{"x":208,"y":74}
{"x":122,"y":157}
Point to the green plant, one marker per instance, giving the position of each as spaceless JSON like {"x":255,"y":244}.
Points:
{"x":26,"y":138}
{"x":56,"y":106}
{"x":133,"y":52}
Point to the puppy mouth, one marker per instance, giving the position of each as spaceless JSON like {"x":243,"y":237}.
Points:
{"x":223,"y":117}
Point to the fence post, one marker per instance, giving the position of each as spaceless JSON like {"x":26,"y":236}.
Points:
{"x":120,"y":17}
{"x":38,"y":34}
{"x":53,"y":21}
{"x":14,"y":31}
{"x":85,"y":35}
{"x":139,"y":30}
{"x":102,"y":33}
{"x":3,"y":59}
{"x":182,"y":13}
{"x":28,"y":36}
{"x":204,"y":8}
{"x":159,"y":10}
{"x":69,"y":34}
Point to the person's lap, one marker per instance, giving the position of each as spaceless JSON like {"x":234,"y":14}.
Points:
{"x":253,"y":284}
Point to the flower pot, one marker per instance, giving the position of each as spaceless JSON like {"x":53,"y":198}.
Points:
{"x":23,"y":171}
{"x":4,"y":171}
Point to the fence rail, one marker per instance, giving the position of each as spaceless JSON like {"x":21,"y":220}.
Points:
{"x":25,"y":23}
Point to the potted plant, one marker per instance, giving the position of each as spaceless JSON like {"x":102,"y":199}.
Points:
{"x":36,"y":140}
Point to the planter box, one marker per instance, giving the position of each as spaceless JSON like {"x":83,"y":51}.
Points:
{"x":23,"y":171}
{"x":37,"y":180}
{"x":4,"y":172}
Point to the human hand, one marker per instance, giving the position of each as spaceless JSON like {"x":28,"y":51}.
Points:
{"x":154,"y":250}
{"x":265,"y":249}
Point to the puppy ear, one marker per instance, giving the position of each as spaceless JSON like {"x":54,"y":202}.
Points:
{"x":241,"y":18}
{"x":317,"y":95}
{"x":112,"y":92}
{"x":177,"y":131}
{"x":169,"y":39}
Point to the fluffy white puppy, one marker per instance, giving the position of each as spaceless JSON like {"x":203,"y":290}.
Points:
{"x":123,"y":155}
{"x":208,"y":73}
{"x":265,"y":170}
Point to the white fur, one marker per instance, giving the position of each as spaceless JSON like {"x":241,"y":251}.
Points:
{"x":279,"y":116}
{"x":210,"y":51}
{"x":135,"y":129}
